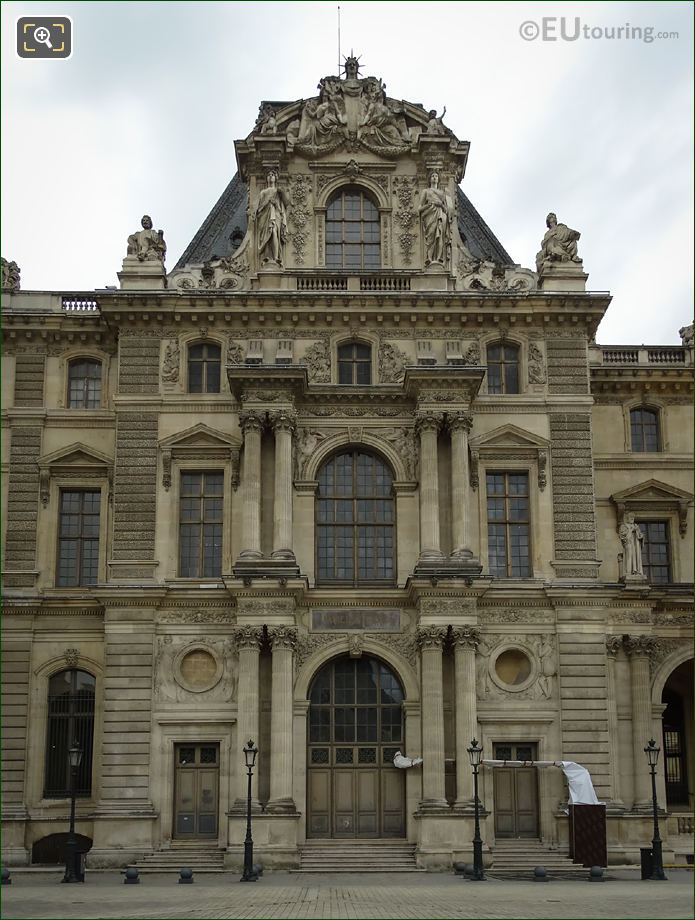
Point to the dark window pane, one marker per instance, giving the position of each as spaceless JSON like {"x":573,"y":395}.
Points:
{"x":84,"y":384}
{"x":353,"y":232}
{"x":78,"y":538}
{"x":204,"y":368}
{"x":644,"y":430}
{"x":201,"y":508}
{"x":656,"y":551}
{"x":70,"y":720}
{"x":502,"y":369}
{"x":508,"y":529}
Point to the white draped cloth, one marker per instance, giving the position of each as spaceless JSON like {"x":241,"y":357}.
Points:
{"x":578,"y":777}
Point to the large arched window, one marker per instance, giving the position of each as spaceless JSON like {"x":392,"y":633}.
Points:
{"x":353,"y":231}
{"x":84,"y":384}
{"x":70,"y":720}
{"x":204,"y":368}
{"x":644,"y":430}
{"x":502,"y":368}
{"x":354,"y":363}
{"x":355,"y":517}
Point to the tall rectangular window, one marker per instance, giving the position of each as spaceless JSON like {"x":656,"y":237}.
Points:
{"x":200,"y":525}
{"x":508,"y":525}
{"x":78,"y":538}
{"x":655,"y":551}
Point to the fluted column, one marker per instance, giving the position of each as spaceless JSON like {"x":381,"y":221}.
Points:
{"x":613,"y":646}
{"x":283,"y":640}
{"x":466,"y":642}
{"x":638,"y":648}
{"x":459,"y":427}
{"x":252,"y":426}
{"x":247,"y":640}
{"x":283,"y":426}
{"x":431,"y":640}
{"x":428,"y":426}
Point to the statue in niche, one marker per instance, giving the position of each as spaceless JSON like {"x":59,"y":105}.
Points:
{"x":632,"y":539}
{"x":147,"y":244}
{"x":270,"y":218}
{"x":435,"y":125}
{"x":548,"y":666}
{"x":559,"y":243}
{"x":436,"y":214}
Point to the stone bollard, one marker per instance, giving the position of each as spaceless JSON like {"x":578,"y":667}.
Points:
{"x":132,"y":876}
{"x":186,"y":877}
{"x":258,"y":869}
{"x":6,"y":877}
{"x":596,"y":874}
{"x":539,"y":874}
{"x":468,"y":869}
{"x":459,"y":868}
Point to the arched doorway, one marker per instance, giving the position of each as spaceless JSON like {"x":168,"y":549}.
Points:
{"x":355,"y":728}
{"x":677,"y":722}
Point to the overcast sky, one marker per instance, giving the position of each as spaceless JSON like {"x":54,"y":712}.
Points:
{"x":144,"y":115}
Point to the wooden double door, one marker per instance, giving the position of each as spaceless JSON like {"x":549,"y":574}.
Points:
{"x":515,"y":792}
{"x":196,"y":791}
{"x":355,"y":728}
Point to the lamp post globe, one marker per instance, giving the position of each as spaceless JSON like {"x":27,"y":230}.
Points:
{"x":652,"y":750}
{"x":475,"y":755}
{"x":73,"y":870}
{"x":250,"y":754}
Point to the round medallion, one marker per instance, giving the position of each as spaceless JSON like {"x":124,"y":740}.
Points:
{"x":197,"y":669}
{"x":512,"y":669}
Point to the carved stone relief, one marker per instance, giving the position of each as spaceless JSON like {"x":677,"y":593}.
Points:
{"x":406,"y":445}
{"x":306,"y":441}
{"x":235,"y":352}
{"x":542,"y":652}
{"x":300,"y":190}
{"x":405,"y":216}
{"x":171,"y":363}
{"x":318,"y":361}
{"x":536,"y":364}
{"x":218,"y":678}
{"x":392,"y":363}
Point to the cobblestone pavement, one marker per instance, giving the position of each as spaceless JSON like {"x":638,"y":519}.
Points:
{"x":281,"y":895}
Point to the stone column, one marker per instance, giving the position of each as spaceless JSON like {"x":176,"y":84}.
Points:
{"x":459,"y":427}
{"x":431,"y":639}
{"x":638,"y":648}
{"x":283,"y":425}
{"x":248,"y":640}
{"x":466,"y":642}
{"x":284,"y":640}
{"x":428,"y":426}
{"x":613,"y":646}
{"x":251,"y":425}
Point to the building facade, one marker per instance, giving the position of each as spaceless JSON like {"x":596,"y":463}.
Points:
{"x":346,"y":481}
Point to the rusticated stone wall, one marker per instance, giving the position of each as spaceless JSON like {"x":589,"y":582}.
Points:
{"x":22,"y":504}
{"x":568,"y":365}
{"x":135,"y":486}
{"x":573,"y":486}
{"x":28,"y":381}
{"x":16,"y":656}
{"x":138,"y":364}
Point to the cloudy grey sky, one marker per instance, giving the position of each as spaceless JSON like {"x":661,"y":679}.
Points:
{"x":144,"y":115}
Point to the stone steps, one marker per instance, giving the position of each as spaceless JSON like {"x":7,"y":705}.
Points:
{"x":197,"y":858}
{"x":369,"y":856}
{"x":518,"y":858}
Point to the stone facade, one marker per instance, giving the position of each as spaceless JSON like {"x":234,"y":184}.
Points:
{"x":594,"y":650}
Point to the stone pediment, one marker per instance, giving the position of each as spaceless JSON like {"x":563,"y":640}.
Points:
{"x":509,"y":437}
{"x":199,"y":437}
{"x":75,"y":456}
{"x":654,"y":496}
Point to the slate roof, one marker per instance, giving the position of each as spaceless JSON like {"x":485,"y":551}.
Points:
{"x":214,"y":238}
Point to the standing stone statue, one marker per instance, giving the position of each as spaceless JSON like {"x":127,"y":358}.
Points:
{"x":147,"y":244}
{"x":632,"y":539}
{"x":435,"y":125}
{"x":559,"y":243}
{"x":436,"y":215}
{"x":10,"y":276}
{"x":270,"y":218}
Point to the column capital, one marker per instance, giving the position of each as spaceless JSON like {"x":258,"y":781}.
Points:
{"x":248,"y":636}
{"x":283,"y":420}
{"x":461,"y":421}
{"x":283,"y":637}
{"x":465,"y":637}
{"x":429,"y":421}
{"x":613,"y":645}
{"x":250,"y":420}
{"x":429,"y":637}
{"x":639,"y":646}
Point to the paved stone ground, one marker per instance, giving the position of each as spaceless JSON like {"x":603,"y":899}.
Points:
{"x":34,"y":896}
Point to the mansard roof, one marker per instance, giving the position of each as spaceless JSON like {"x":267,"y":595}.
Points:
{"x":214,"y":238}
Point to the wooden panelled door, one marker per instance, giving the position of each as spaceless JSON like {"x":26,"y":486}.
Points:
{"x":355,"y":729}
{"x":196,"y":791}
{"x":516,"y":792}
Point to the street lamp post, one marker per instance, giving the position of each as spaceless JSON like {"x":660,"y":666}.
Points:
{"x":73,"y":872}
{"x":475,"y":754}
{"x":652,"y":751}
{"x":250,"y":754}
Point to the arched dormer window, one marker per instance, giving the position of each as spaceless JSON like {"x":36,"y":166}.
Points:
{"x":502,"y":368}
{"x":70,"y":720}
{"x":355,"y":521}
{"x":204,"y":363}
{"x":644,"y":430}
{"x":84,"y":383}
{"x":355,"y":363}
{"x":353,"y":231}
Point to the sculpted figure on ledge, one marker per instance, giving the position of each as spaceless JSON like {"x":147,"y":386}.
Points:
{"x":559,"y":243}
{"x":147,"y":244}
{"x":270,"y":218}
{"x":436,"y":214}
{"x":632,"y":539}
